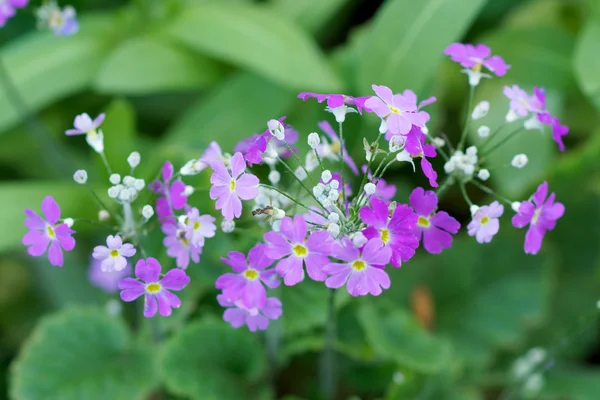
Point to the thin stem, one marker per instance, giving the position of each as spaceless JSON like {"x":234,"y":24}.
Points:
{"x":488,"y":190}
{"x":319,"y":159}
{"x":328,"y":381}
{"x":105,"y":161}
{"x":342,"y":145}
{"x":463,"y":190}
{"x":299,"y":162}
{"x":104,"y":206}
{"x":373,"y":157}
{"x":444,"y":187}
{"x":292,"y":199}
{"x":492,"y":135}
{"x":298,"y":179}
{"x":463,"y":136}
{"x":503,"y":141}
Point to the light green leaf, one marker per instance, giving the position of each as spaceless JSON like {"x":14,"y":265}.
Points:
{"x":312,"y":15}
{"x":571,"y":383}
{"x":408,"y":37}
{"x":119,"y":135}
{"x":82,"y":354}
{"x":210,"y":360}
{"x":396,"y":336}
{"x":152,"y":64}
{"x":44,"y":68}
{"x":305,"y":307}
{"x":587,"y":59}
{"x":258,"y":39}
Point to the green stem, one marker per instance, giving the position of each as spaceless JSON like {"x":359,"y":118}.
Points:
{"x":292,"y":199}
{"x":298,"y":179}
{"x":463,"y":190}
{"x":488,"y":190}
{"x":503,"y":141}
{"x":444,"y":187}
{"x":328,"y":380}
{"x":105,"y":161}
{"x":463,"y":136}
{"x":299,"y":162}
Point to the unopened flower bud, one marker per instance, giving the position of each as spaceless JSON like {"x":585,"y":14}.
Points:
{"x":128,"y":181}
{"x":318,"y":190}
{"x":69,"y":221}
{"x":483,"y":174}
{"x":483,"y":131}
{"x":314,"y":140}
{"x":188,"y":191}
{"x":383,"y":127}
{"x":471,"y":151}
{"x":511,"y":116}
{"x":334,"y":230}
{"x":276,"y":129}
{"x":115,"y":179}
{"x":474,"y":208}
{"x":480,"y":110}
{"x":404,"y":156}
{"x":334,"y":184}
{"x":515,"y":206}
{"x":333,"y":217}
{"x":103,"y":215}
{"x":326,"y":176}
{"x":114,"y":191}
{"x":113,"y":307}
{"x":227,"y":226}
{"x":190,"y":168}
{"x":439,"y":142}
{"x":147,"y":211}
{"x":274,"y":177}
{"x":139,"y":184}
{"x":370,"y":188}
{"x":519,"y":161}
{"x":134,"y":159}
{"x":359,"y":240}
{"x":80,"y":176}
{"x":425,"y":130}
{"x":334,"y":195}
{"x":300,"y":173}
{"x":278,"y":213}
{"x":396,"y":143}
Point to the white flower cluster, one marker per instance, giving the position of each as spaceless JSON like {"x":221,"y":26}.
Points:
{"x":327,"y":193}
{"x":462,"y":163}
{"x":127,"y":190}
{"x":526,"y":370}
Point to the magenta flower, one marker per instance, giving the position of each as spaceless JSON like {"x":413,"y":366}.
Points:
{"x":485,"y":222}
{"x":178,"y":246}
{"x":558,"y":130}
{"x":254,"y":147}
{"x":396,"y":232}
{"x":361,"y":270}
{"x":43,"y":233}
{"x":474,"y":57}
{"x":229,"y":187}
{"x":107,"y":281}
{"x":156,"y":291}
{"x":384,"y":192}
{"x":114,"y":256}
{"x":335,"y":147}
{"x":295,"y":251}
{"x":254,"y":318}
{"x":541,"y":216}
{"x":172,"y":197}
{"x":400,"y":111}
{"x":198,"y":227}
{"x":211,"y":154}
{"x":436,"y":228}
{"x":337,"y":100}
{"x":416,"y":147}
{"x":84,"y":124}
{"x":521,"y":103}
{"x":8,"y":9}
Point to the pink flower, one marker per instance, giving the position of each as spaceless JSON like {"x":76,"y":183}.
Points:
{"x":336,"y":147}
{"x":336,"y":100}
{"x":114,"y":256}
{"x":521,"y":103}
{"x":156,"y":291}
{"x":211,"y":154}
{"x":229,"y":188}
{"x":359,"y":271}
{"x":107,"y":281}
{"x":395,"y":232}
{"x":254,"y":318}
{"x":178,"y":246}
{"x":474,"y":57}
{"x":400,"y":111}
{"x":416,"y":147}
{"x":485,"y":222}
{"x":254,"y":147}
{"x":198,"y":227}
{"x":434,"y":227}
{"x":84,"y":124}
{"x":172,"y":197}
{"x":247,"y":283}
{"x":43,"y":233}
{"x":541,"y":216}
{"x":558,"y":130}
{"x":295,"y":250}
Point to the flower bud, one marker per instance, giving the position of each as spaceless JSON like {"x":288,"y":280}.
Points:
{"x":188,"y":191}
{"x":276,"y":129}
{"x":334,"y":184}
{"x":128,"y":181}
{"x":515,"y":206}
{"x":300,"y":173}
{"x":69,"y":221}
{"x":483,"y":131}
{"x":227,"y":226}
{"x":471,"y":151}
{"x":370,"y":188}
{"x":103,"y":215}
{"x":139,"y":184}
{"x":278,"y":213}
{"x":383,"y":127}
{"x":114,"y":191}
{"x":483,"y":174}
{"x":318,"y":190}
{"x":147,"y":211}
{"x":190,"y":168}
{"x":334,"y":230}
{"x":511,"y":116}
{"x":396,"y":143}
{"x":80,"y":176}
{"x":519,"y":161}
{"x":404,"y":156}
{"x":474,"y":208}
{"x":115,"y":179}
{"x":439,"y":142}
{"x":333,"y":217}
{"x":314,"y":140}
{"x":274,"y":177}
{"x":359,"y":240}
{"x":480,"y":110}
{"x":326,"y":176}
{"x":134,"y":159}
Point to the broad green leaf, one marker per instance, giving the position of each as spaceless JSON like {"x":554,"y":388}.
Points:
{"x":44,"y":68}
{"x":312,"y":15}
{"x":257,"y":39}
{"x":82,"y":354}
{"x":405,"y":45}
{"x":119,"y":131}
{"x":152,"y":64}
{"x":574,"y":383}
{"x":587,"y":59}
{"x":305,"y":307}
{"x":396,"y":336}
{"x":210,"y":360}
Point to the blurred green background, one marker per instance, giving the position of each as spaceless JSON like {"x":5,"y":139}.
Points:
{"x":173,"y":75}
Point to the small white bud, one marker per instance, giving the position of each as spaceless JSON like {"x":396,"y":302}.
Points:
{"x":439,"y":142}
{"x":515,"y":206}
{"x":333,"y":217}
{"x":533,"y":385}
{"x":425,"y":130}
{"x":340,"y":112}
{"x":80,"y":176}
{"x":314,"y":140}
{"x":469,"y":169}
{"x":519,"y":161}
{"x":276,"y":129}
{"x":311,"y":163}
{"x":471,"y":151}
{"x":274,"y":177}
{"x":370,"y":188}
{"x":227,"y":226}
{"x":536,"y":355}
{"x":139,"y":184}
{"x":188,"y":191}
{"x":96,"y":140}
{"x":318,"y":189}
{"x":134,"y":159}
{"x":398,"y":378}
{"x":533,"y":123}
{"x":69,"y":221}
{"x":383,"y":127}
{"x":326,"y":176}
{"x":598,"y":304}
{"x":474,"y":208}
{"x":397,"y":142}
{"x":113,"y":307}
{"x":114,"y":191}
{"x":115,"y":179}
{"x":278,"y":213}
{"x":483,"y":174}
{"x":334,"y":230}
{"x":480,"y":110}
{"x":511,"y":116}
{"x":483,"y":131}
{"x":359,"y":240}
{"x":147,"y":211}
{"x":128,"y":180}
{"x":449,"y":166}
{"x":404,"y":156}
{"x":103,"y":215}
{"x":300,"y":173}
{"x":334,"y":195}
{"x":334,"y":184}
{"x":190,"y":168}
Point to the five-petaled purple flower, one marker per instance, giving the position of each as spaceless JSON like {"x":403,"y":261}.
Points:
{"x":541,"y":216}
{"x":84,"y":124}
{"x":156,"y":291}
{"x":434,"y":227}
{"x":254,"y":318}
{"x":107,"y":281}
{"x":172,"y":195}
{"x":416,"y":147}
{"x":48,"y":232}
{"x":179,"y":246}
{"x":198,"y":227}
{"x":521,"y":103}
{"x":338,"y":104}
{"x":474,"y":57}
{"x":485,"y":222}
{"x":295,"y":250}
{"x":396,"y":232}
{"x":113,"y":256}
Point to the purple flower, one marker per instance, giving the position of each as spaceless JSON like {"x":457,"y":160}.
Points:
{"x":474,"y":57}
{"x":396,"y":232}
{"x":540,"y":95}
{"x":229,"y":188}
{"x":172,"y":197}
{"x":48,"y":232}
{"x":416,"y":147}
{"x":337,"y":103}
{"x":541,"y":216}
{"x":64,"y":22}
{"x":247,"y":283}
{"x":295,"y":250}
{"x":435,"y":228}
{"x":485,"y":222}
{"x":84,"y":124}
{"x":178,"y":246}
{"x":521,"y":103}
{"x":198,"y":227}
{"x":7,"y":9}
{"x":156,"y":291}
{"x":400,"y":111}
{"x":254,"y":147}
{"x":113,"y":256}
{"x":384,"y":192}
{"x":333,"y":150}
{"x":558,"y":130}
{"x":254,"y":318}
{"x":107,"y":281}
{"x":360,"y":269}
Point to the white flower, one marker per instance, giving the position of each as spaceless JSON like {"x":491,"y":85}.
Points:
{"x":113,"y":256}
{"x":483,"y":131}
{"x":300,"y":173}
{"x":96,"y":140}
{"x":511,"y":116}
{"x":134,"y":159}
{"x":276,"y":129}
{"x":383,"y":127}
{"x":480,"y":110}
{"x":115,"y":179}
{"x":278,"y":213}
{"x":483,"y":174}
{"x":333,"y":217}
{"x":397,"y":142}
{"x":103,"y":215}
{"x":449,"y":166}
{"x":147,"y":211}
{"x":439,"y":142}
{"x":340,"y":112}
{"x":519,"y":161}
{"x":515,"y":206}
{"x":359,"y":240}
{"x":370,"y":188}
{"x":227,"y":226}
{"x":326,"y":176}
{"x":314,"y":140}
{"x":404,"y":156}
{"x":334,"y":230}
{"x":474,"y":208}
{"x":188,"y":191}
{"x":80,"y":176}
{"x":69,"y":221}
{"x":274,"y":177}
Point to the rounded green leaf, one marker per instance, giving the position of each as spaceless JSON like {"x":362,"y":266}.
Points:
{"x":81,"y":354}
{"x":211,"y":360}
{"x":587,"y":59}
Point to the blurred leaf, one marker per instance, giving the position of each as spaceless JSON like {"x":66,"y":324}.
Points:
{"x":82,"y":353}
{"x":587,"y":59}
{"x":119,"y":136}
{"x":312,"y":15}
{"x":396,"y":336}
{"x":255,"y":38}
{"x":407,"y":39}
{"x":573,"y":383}
{"x":152,"y":64}
{"x":210,"y":360}
{"x":45,"y":68}
{"x":536,"y":13}
{"x":305,"y":307}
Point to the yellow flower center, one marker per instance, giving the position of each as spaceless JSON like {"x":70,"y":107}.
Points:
{"x":385,"y":236}
{"x":300,"y":250}
{"x":196,"y":225}
{"x":477,"y":67}
{"x":153,"y":288}
{"x":359,"y":265}
{"x":536,"y":215}
{"x":395,"y":110}
{"x":50,"y":232}
{"x":232,"y":185}
{"x":423,"y":222}
{"x":336,"y":146}
{"x":251,"y":274}
{"x":185,"y":242}
{"x":485,"y":220}
{"x":114,"y":253}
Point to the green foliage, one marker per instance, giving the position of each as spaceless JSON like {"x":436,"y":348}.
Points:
{"x":312,"y":15}
{"x":587,"y":57}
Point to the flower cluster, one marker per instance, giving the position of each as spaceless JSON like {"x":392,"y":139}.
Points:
{"x":63,"y":22}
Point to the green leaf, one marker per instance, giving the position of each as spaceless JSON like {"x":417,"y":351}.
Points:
{"x":573,"y":383}
{"x":408,"y":37}
{"x":44,"y":68}
{"x":396,"y":336}
{"x":587,"y":59}
{"x":257,"y":39}
{"x":119,"y":135}
{"x":152,"y":64}
{"x":210,"y":360}
{"x":82,"y":353}
{"x":305,"y":307}
{"x":312,"y":15}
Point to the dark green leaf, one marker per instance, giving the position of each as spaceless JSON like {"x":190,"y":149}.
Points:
{"x":312,"y":15}
{"x":587,"y":59}
{"x":572,"y":383}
